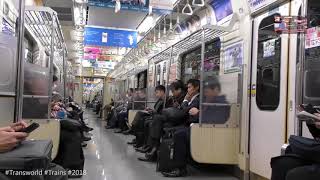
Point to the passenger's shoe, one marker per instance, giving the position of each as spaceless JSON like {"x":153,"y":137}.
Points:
{"x":84,"y":144}
{"x":127,"y":132}
{"x":134,"y":141}
{"x":86,"y":138}
{"x":143,"y":149}
{"x":176,"y":173}
{"x":150,"y":156}
{"x":118,"y":131}
{"x":109,"y":127}
{"x":88,"y":129}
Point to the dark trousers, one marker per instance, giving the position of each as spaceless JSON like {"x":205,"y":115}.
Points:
{"x":138,"y":122}
{"x":113,"y":118}
{"x":157,"y":127}
{"x":122,"y":119}
{"x":147,"y":129}
{"x":311,"y":172}
{"x":292,"y":167}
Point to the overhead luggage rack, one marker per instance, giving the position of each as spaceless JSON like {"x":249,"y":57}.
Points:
{"x":190,"y":42}
{"x":44,"y":24}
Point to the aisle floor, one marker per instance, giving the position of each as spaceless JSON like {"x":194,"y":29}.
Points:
{"x":108,"y":157}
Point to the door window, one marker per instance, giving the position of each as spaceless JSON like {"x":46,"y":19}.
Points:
{"x":312,"y":52}
{"x":268,"y":65}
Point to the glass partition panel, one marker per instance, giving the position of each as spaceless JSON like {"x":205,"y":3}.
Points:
{"x":139,"y":99}
{"x":35,"y":107}
{"x":220,"y":104}
{"x":8,"y":45}
{"x":36,"y":80}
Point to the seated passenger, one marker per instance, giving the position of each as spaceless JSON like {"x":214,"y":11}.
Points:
{"x":139,"y":120}
{"x":123,"y":114}
{"x":11,"y":138}
{"x":217,"y":110}
{"x":296,"y":167}
{"x":190,"y":101}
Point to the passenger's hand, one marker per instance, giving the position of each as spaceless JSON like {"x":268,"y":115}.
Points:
{"x":56,"y":107}
{"x":19,"y":125}
{"x":188,"y":97}
{"x":9,"y":139}
{"x":194,"y":111}
{"x":317,"y":123}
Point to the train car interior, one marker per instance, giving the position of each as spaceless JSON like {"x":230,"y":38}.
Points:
{"x":159,"y":89}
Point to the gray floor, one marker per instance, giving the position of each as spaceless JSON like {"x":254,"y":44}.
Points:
{"x":108,"y":157}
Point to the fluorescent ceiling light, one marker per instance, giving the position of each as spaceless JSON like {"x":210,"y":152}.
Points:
{"x":146,"y":25}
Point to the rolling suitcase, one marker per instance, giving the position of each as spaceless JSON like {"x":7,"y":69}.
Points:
{"x":171,"y":152}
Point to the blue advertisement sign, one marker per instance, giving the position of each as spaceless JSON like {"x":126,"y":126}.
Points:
{"x":222,"y":8}
{"x":133,"y":5}
{"x":110,"y":37}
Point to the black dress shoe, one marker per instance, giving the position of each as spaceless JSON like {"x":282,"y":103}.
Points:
{"x":86,"y":138}
{"x":137,"y":145}
{"x":152,"y":154}
{"x":175,"y":173}
{"x":109,"y":127}
{"x":118,"y":131}
{"x":143,"y":149}
{"x":84,"y":145}
{"x":134,"y":141}
{"x":146,"y":159}
{"x":127,"y":132}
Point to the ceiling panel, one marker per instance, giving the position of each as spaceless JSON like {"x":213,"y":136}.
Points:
{"x":108,"y":18}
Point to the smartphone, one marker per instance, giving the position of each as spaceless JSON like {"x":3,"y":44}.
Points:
{"x":30,"y":128}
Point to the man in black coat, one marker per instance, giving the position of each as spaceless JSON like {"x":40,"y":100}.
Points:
{"x":139,"y":119}
{"x":190,"y":101}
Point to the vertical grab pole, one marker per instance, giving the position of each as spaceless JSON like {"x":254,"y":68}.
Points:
{"x":64,"y":73}
{"x":20,"y":65}
{"x":53,"y":15}
{"x":299,"y":94}
{"x":203,"y":46}
{"x":147,"y":88}
{"x":168,"y":74}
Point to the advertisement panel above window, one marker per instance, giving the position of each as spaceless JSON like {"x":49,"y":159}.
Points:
{"x":97,"y":36}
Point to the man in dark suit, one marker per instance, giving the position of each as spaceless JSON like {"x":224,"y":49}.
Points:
{"x":139,"y":119}
{"x":190,"y":101}
{"x":181,"y":137}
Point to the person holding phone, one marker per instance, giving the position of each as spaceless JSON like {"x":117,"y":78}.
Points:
{"x":10,"y":136}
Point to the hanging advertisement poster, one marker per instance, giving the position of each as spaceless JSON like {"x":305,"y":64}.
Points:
{"x":233,"y":58}
{"x":313,"y":37}
{"x":158,"y":6}
{"x":269,"y":49}
{"x":98,"y":36}
{"x":222,"y":9}
{"x":256,"y":5}
{"x":173,"y":73}
{"x":162,"y":4}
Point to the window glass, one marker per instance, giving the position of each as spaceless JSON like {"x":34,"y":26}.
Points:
{"x":312,"y":53}
{"x":268,"y":65}
{"x":191,"y":62}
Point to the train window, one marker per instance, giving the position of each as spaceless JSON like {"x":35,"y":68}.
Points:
{"x":312,"y":52}
{"x":268,"y":65}
{"x":191,"y":62}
